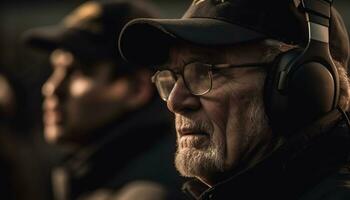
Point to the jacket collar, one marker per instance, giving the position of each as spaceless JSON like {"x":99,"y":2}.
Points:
{"x":308,"y":157}
{"x":95,"y":164}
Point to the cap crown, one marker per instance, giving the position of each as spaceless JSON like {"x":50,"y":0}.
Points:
{"x":278,"y":19}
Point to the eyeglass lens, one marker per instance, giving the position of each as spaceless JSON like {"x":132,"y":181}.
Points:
{"x":197,"y":78}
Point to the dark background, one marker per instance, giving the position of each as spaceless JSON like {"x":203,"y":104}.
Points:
{"x":28,"y":68}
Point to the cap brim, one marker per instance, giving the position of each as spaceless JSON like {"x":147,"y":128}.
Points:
{"x":81,"y":43}
{"x":46,"y":38}
{"x":147,"y":41}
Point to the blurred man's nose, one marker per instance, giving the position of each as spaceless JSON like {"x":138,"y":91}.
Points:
{"x":181,"y":99}
{"x":61,"y":62}
{"x":54,"y":86}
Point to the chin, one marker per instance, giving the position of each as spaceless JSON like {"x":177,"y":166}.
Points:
{"x":53,"y":133}
{"x":57,"y":135}
{"x":192,"y":161}
{"x":194,"y":142}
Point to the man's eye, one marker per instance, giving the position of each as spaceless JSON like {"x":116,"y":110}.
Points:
{"x":216,"y":72}
{"x":87,"y":70}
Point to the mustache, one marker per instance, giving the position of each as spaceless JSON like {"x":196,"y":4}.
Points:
{"x":182,"y":122}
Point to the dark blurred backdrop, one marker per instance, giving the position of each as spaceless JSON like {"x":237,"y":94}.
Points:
{"x":25,"y":158}
{"x":29,"y":68}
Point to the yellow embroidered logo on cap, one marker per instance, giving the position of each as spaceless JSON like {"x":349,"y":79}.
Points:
{"x":84,"y":17}
{"x":201,"y":1}
{"x":198,"y":1}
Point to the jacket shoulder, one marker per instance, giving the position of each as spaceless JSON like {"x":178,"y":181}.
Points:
{"x":334,"y":187}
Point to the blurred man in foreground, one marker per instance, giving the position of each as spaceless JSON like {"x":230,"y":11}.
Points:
{"x":103,"y":109}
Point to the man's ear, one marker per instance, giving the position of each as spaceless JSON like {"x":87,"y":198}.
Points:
{"x":142,"y":89}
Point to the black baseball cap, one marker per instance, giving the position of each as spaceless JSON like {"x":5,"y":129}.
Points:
{"x":226,"y":22}
{"x":90,"y":31}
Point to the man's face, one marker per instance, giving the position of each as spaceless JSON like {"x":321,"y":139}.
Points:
{"x":226,"y":129}
{"x":79,"y":98}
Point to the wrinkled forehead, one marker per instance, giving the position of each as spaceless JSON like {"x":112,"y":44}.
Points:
{"x":182,"y":53}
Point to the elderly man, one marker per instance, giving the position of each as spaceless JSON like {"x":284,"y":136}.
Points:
{"x":103,"y":109}
{"x":260,"y":92}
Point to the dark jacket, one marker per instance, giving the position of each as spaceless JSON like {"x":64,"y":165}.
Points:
{"x":313,"y":164}
{"x":139,"y":147}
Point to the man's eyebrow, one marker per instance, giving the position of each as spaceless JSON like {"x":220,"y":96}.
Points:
{"x":180,"y":63}
{"x":205,"y":57}
{"x":194,"y":59}
{"x":243,"y":64}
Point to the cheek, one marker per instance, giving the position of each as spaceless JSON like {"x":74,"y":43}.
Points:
{"x":222,"y":108}
{"x":86,"y":93}
{"x":96,"y":105}
{"x":222,"y":101}
{"x":80,"y":87}
{"x":84,"y":103}
{"x":227,"y":114}
{"x":239,"y":124}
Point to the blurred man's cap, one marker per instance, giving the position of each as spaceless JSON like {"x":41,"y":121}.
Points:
{"x":91,"y":30}
{"x":226,"y":22}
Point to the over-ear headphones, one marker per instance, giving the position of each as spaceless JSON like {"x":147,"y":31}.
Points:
{"x":303,"y":84}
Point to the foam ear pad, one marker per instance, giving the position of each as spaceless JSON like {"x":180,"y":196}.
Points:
{"x":307,"y":94}
{"x":310,"y":93}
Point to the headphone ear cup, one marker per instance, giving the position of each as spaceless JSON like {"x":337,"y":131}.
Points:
{"x":308,"y":92}
{"x":311,"y":89}
{"x":276,"y":102}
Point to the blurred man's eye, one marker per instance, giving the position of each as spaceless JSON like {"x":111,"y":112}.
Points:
{"x":86,"y":69}
{"x":80,"y":85}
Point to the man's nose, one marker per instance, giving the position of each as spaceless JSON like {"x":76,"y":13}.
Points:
{"x":181,"y":99}
{"x":55,"y":85}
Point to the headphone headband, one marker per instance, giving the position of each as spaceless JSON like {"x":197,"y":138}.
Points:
{"x":304,"y":79}
{"x":320,"y":8}
{"x":318,"y":13}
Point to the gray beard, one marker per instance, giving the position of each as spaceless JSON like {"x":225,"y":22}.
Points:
{"x":204,"y":162}
{"x":192,"y":162}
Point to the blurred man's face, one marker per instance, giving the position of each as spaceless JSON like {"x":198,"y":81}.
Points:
{"x":218,"y":132}
{"x":7,"y":99}
{"x":79,"y":98}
